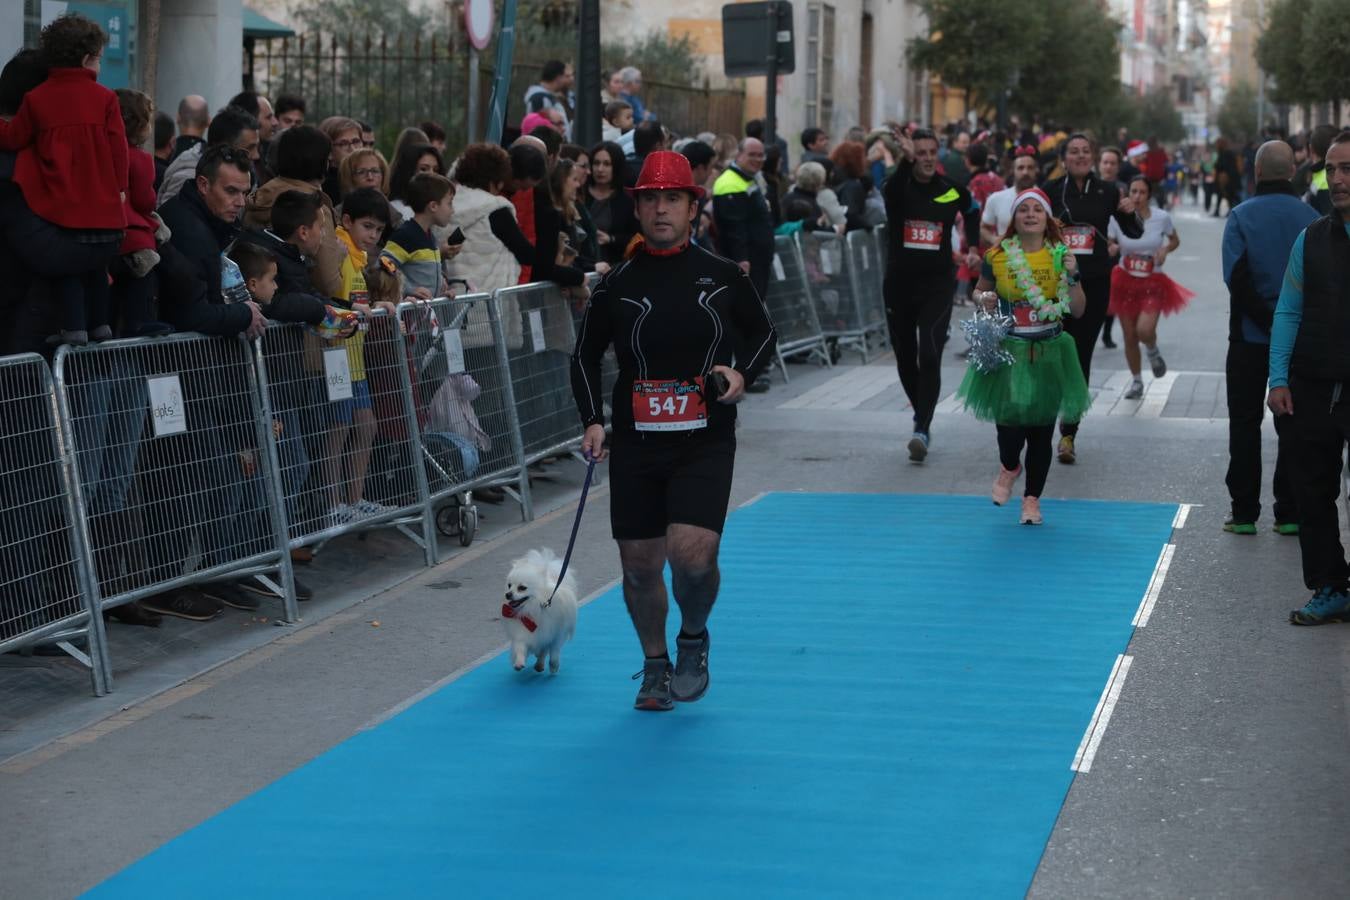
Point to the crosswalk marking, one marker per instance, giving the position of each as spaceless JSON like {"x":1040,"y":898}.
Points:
{"x":847,"y":391}
{"x":852,"y":389}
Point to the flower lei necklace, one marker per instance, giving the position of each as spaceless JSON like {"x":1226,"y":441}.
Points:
{"x":1042,"y":310}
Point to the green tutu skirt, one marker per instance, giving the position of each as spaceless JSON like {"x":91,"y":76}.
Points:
{"x":1044,"y":383}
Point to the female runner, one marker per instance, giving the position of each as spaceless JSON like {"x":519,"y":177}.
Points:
{"x":1140,"y":292}
{"x":1031,"y":276}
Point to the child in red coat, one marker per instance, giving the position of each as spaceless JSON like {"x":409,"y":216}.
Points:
{"x":72,"y":170}
{"x":133,"y":271}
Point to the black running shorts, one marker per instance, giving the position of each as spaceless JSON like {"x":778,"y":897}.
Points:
{"x":660,"y":480}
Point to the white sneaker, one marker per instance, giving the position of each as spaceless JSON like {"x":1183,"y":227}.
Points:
{"x":1157,"y":363}
{"x":1136,"y":390}
{"x":368,"y":508}
{"x":340,"y":515}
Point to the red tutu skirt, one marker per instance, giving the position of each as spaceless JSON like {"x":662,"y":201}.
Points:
{"x":1132,"y":295}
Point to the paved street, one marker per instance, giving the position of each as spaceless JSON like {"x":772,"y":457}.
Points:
{"x":1216,"y":776}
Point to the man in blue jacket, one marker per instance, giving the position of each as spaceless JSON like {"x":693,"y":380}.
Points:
{"x":1256,"y":243}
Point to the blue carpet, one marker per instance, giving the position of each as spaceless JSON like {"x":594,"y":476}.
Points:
{"x":899,"y":686}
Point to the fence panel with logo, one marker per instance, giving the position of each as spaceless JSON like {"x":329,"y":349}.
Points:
{"x":173,"y":469}
{"x":790,"y":307}
{"x":44,"y":595}
{"x":539,"y":333}
{"x":345,"y":429}
{"x":460,"y":389}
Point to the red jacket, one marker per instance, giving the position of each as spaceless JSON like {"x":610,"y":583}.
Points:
{"x":1155,"y":165}
{"x":140,"y":202}
{"x":72,"y":164}
{"x":523,"y":201}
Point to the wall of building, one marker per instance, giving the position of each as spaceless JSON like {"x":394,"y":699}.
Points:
{"x":200,"y":51}
{"x":895,"y":91}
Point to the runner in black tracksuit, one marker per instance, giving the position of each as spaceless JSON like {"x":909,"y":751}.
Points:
{"x":921,"y":209}
{"x":1084,"y":205}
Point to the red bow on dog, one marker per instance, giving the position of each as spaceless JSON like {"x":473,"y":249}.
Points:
{"x":508,"y":612}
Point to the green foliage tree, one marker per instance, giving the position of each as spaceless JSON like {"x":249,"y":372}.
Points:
{"x":1280,"y":51}
{"x":1326,"y":35}
{"x":1237,"y":115}
{"x":1156,"y":113}
{"x":1057,"y":59}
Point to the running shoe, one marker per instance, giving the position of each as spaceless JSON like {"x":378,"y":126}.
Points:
{"x":1136,"y":390}
{"x":184,"y":603}
{"x":1327,"y":605}
{"x":303,"y":592}
{"x":918,"y":446}
{"x":690,"y":681}
{"x":1066,"y":451}
{"x":1157,"y":363}
{"x":340,"y":515}
{"x":231,"y":594}
{"x":1233,"y":526}
{"x":654,"y":695}
{"x":1289,"y":529}
{"x":1003,"y":484}
{"x":1031,"y":511}
{"x":365,"y":509}
{"x":1107,"y":342}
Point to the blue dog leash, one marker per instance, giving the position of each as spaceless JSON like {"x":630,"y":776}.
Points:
{"x":576,"y":526}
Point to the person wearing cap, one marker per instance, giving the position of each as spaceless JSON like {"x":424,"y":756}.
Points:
{"x":921,"y":209}
{"x":1084,"y":204}
{"x":690,"y":333}
{"x":1032,"y":277}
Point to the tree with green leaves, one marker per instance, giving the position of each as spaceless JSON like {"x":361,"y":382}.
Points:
{"x":1326,"y":35}
{"x":1057,"y":59}
{"x":1281,"y":53}
{"x":1237,"y":115}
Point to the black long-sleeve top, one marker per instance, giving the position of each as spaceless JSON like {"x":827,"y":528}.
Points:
{"x":935,"y":202}
{"x":1094,"y":206}
{"x":670,"y":317}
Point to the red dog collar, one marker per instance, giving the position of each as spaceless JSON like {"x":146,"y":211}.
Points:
{"x":509,"y":613}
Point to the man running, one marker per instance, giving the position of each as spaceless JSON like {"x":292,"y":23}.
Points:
{"x":690,"y":334}
{"x":921,"y":209}
{"x":1084,"y":204}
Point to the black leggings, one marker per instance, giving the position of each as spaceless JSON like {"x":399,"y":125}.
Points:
{"x":1087,"y":328}
{"x":1038,"y":440}
{"x":918,"y":314}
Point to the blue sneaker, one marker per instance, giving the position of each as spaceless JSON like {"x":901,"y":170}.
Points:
{"x":1327,"y":605}
{"x":918,"y":446}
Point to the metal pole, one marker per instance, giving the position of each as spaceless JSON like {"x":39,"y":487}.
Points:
{"x":501,"y":79}
{"x":771,"y":86}
{"x":586,"y":127}
{"x":471,"y":129}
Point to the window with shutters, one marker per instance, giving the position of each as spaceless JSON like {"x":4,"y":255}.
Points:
{"x":819,"y":65}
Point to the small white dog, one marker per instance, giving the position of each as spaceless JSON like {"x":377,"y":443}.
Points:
{"x":534,"y":625}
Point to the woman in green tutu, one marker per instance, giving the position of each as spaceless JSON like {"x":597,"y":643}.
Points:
{"x":1031,"y":277}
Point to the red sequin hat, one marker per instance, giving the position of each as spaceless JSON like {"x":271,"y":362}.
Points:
{"x":666,"y":170}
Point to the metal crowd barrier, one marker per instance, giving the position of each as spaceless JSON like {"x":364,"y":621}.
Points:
{"x":137,"y":467}
{"x":843,"y":299}
{"x":790,"y":307}
{"x":174,"y":463}
{"x":466,"y":416}
{"x":345,"y":430}
{"x":44,"y":583}
{"x":539,"y":334}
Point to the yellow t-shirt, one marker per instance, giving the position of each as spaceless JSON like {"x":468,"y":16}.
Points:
{"x":354,"y":291}
{"x":1011,"y":300}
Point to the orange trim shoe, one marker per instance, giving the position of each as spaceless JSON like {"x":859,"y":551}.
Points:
{"x":1031,"y":511}
{"x":1003,"y":484}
